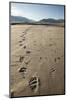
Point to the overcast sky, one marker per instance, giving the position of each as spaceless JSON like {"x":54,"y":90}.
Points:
{"x":37,"y":12}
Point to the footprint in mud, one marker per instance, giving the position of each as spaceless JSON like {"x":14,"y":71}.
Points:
{"x":23,"y":32}
{"x":34,"y":83}
{"x":21,"y":58}
{"x":50,"y":44}
{"x":28,"y":52}
{"x":24,"y":47}
{"x":55,"y":59}
{"x":22,"y":70}
{"x":27,"y":62}
{"x":40,"y":58}
{"x":12,"y":93}
{"x":35,"y":44}
{"x":52,"y":70}
{"x":34,"y":41}
{"x":55,"y":51}
{"x":45,"y":57}
{"x":52,"y":73}
{"x":21,"y":36}
{"x":50,"y":38}
{"x":62,"y":56}
{"x":20,"y":41}
{"x":20,"y":44}
{"x":23,"y":39}
{"x":58,"y":58}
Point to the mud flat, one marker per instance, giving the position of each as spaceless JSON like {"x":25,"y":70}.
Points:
{"x":40,"y":50}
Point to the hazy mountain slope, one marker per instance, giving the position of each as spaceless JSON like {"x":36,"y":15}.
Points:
{"x":18,"y":19}
{"x":24,"y":20}
{"x":49,"y":20}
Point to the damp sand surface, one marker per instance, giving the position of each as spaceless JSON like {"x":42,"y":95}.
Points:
{"x":40,"y":49}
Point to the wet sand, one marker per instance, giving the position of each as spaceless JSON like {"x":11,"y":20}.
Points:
{"x":40,"y":49}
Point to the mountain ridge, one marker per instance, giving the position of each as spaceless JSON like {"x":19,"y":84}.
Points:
{"x":24,"y":20}
{"x":20,"y":19}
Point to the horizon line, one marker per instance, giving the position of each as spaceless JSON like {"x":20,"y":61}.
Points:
{"x":39,"y":19}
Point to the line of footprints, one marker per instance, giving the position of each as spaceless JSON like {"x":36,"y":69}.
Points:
{"x":34,"y":82}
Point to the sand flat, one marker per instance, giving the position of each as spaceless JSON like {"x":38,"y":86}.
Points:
{"x":42,"y":47}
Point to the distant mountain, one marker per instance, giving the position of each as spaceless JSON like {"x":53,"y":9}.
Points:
{"x":49,"y":20}
{"x":19,"y":20}
{"x":24,"y":20}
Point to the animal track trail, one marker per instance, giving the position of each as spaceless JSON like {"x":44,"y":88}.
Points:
{"x":24,"y":47}
{"x":23,"y":38}
{"x":27,"y":62}
{"x":57,"y":59}
{"x":34,"y":84}
{"x":22,"y":71}
{"x":25,"y":32}
{"x":52,"y":73}
{"x":20,"y":44}
{"x":21,"y":58}
{"x":52,"y":70}
{"x":20,"y":41}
